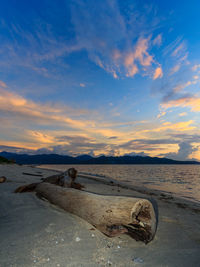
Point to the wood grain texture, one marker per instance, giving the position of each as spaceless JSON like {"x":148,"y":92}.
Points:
{"x":112,"y":215}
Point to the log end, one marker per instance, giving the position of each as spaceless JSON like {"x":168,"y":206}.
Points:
{"x":142,"y":226}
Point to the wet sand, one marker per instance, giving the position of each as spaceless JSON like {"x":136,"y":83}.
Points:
{"x":36,"y":233}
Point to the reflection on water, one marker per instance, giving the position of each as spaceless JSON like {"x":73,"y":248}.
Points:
{"x":183,"y":180}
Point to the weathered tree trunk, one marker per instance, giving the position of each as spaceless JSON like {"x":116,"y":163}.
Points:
{"x":112,"y":215}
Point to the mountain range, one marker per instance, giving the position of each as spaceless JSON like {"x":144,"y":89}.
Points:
{"x":87,"y":159}
{"x":4,"y":160}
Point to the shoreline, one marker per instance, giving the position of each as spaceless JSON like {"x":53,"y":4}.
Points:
{"x":162,"y":195}
{"x":37,"y":233}
{"x":146,"y":178}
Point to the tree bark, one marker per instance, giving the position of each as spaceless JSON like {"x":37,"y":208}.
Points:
{"x":112,"y":215}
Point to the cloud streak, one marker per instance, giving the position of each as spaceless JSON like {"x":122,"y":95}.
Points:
{"x":110,"y":41}
{"x":84,"y":136}
{"x":158,"y":73}
{"x":120,"y":46}
{"x":189,"y":101}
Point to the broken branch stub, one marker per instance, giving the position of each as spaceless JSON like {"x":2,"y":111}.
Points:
{"x":112,"y":215}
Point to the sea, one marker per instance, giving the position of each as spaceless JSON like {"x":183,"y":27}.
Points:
{"x":179,"y":180}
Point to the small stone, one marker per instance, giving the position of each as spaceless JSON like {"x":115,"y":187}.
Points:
{"x":92,"y":235}
{"x":58,"y":265}
{"x":48,"y":259}
{"x":78,"y":239}
{"x":138,"y":260}
{"x":62,"y":239}
{"x":56,"y":242}
{"x":118,"y":247}
{"x":2,"y":179}
{"x":109,"y":263}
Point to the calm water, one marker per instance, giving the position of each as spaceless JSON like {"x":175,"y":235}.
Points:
{"x":182,"y":180}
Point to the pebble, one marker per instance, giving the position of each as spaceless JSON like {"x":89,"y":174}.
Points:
{"x":118,"y":247}
{"x":92,"y":235}
{"x":56,"y":242}
{"x":78,"y":239}
{"x":138,"y":260}
{"x":109,"y":262}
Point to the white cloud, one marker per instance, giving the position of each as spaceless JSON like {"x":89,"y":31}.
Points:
{"x":183,"y":153}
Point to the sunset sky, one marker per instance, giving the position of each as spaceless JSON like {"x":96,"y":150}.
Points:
{"x":100,"y":77}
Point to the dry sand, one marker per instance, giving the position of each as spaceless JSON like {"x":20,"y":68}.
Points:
{"x":35,"y":233}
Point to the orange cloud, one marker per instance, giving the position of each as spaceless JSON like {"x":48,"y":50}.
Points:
{"x":178,"y":49}
{"x":179,"y":126}
{"x":158,"y":73}
{"x":196,"y":154}
{"x":175,"y":69}
{"x":163,"y":113}
{"x":43,"y":113}
{"x":21,"y":144}
{"x":40,"y":137}
{"x":27,"y":112}
{"x":103,"y":136}
{"x":139,"y":54}
{"x":116,"y":54}
{"x":192,"y":102}
{"x":196,"y":67}
{"x":2,"y":84}
{"x":132,"y":70}
{"x":182,"y":114}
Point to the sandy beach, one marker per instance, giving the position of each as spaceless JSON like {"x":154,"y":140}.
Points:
{"x":36,"y":233}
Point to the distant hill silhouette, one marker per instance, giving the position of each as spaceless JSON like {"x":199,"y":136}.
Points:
{"x":86,"y":159}
{"x":5,"y":160}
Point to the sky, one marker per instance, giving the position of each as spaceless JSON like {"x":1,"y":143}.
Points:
{"x":100,"y":77}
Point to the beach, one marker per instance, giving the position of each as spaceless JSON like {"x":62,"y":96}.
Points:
{"x":36,"y":233}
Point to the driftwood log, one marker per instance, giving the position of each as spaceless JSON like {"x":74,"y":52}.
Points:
{"x":112,"y":215}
